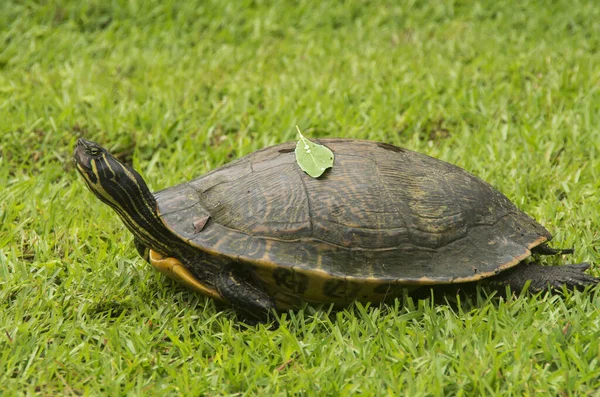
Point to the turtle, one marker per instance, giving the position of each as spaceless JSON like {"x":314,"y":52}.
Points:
{"x":261,"y":235}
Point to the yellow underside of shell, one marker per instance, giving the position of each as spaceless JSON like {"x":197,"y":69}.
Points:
{"x":177,"y":271}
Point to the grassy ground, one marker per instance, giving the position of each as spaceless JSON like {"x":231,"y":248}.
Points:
{"x":509,"y":91}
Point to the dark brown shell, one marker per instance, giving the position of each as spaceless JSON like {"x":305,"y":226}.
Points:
{"x":381,"y":216}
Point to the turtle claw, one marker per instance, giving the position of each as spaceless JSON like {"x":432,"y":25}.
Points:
{"x":577,"y":279}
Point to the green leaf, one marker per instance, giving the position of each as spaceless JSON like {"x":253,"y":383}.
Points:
{"x":312,"y":158}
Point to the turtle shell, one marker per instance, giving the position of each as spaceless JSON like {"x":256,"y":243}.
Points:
{"x":382,"y":216}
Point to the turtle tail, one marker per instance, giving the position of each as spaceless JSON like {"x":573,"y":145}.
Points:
{"x":543,"y":249}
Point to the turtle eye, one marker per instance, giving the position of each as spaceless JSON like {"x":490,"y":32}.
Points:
{"x":93,"y":151}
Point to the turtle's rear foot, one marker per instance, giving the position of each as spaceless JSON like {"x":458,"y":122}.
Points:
{"x":545,"y":277}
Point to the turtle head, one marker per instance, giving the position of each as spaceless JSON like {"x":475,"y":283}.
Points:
{"x":113,"y":182}
{"x":123,"y":189}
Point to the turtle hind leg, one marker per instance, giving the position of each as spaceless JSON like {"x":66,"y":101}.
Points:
{"x":240,"y":288}
{"x":544,"y":249}
{"x":545,"y":277}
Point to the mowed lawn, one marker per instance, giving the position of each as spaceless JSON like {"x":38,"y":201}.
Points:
{"x":507,"y":90}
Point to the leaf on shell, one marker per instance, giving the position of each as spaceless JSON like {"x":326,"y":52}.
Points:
{"x":312,"y":158}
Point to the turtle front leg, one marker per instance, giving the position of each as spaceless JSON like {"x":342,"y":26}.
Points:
{"x":243,"y":292}
{"x":545,"y":277}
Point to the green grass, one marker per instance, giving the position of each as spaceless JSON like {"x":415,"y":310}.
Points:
{"x":508,"y":90}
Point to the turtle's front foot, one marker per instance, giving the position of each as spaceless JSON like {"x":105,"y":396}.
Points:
{"x":240,"y":289}
{"x":546,"y":277}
